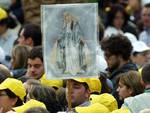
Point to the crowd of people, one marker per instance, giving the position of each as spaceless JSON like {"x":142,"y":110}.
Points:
{"x":123,"y":54}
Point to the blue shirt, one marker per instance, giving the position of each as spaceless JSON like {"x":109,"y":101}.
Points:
{"x":145,"y":36}
{"x":139,"y":102}
{"x":6,"y":42}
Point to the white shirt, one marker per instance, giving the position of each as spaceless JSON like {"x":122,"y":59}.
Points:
{"x":110,"y":30}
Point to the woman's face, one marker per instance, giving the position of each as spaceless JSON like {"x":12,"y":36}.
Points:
{"x":6,"y":103}
{"x":118,"y":20}
{"x":123,"y":91}
{"x":13,"y":64}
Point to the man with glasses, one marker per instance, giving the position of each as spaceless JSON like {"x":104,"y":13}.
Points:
{"x":117,"y":50}
{"x":140,"y":55}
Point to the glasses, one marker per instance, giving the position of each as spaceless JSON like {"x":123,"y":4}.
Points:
{"x":141,"y":53}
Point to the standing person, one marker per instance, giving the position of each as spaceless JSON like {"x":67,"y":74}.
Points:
{"x":140,"y":102}
{"x":17,"y":10}
{"x":116,"y":19}
{"x":35,"y":68}
{"x":35,"y":63}
{"x":7,"y":34}
{"x":19,"y":60}
{"x":129,"y":84}
{"x":45,"y":94}
{"x":30,"y":34}
{"x":140,"y":54}
{"x":145,"y":34}
{"x":80,"y":92}
{"x":80,"y":95}
{"x":12,"y":93}
{"x":117,"y":51}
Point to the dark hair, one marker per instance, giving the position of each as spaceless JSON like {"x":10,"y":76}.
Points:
{"x":131,"y":80}
{"x":103,"y":79}
{"x":117,"y":45}
{"x":4,"y":73}
{"x":85,"y":85}
{"x":36,"y":110}
{"x":61,"y":96}
{"x":36,"y":52}
{"x":101,"y":29}
{"x":20,"y":55}
{"x":12,"y":95}
{"x":146,"y":74}
{"x":17,"y":10}
{"x":147,"y":5}
{"x":17,"y":4}
{"x":10,"y":22}
{"x":33,"y":31}
{"x":135,"y":53}
{"x":46,"y":95}
{"x":112,"y":13}
{"x":2,"y":77}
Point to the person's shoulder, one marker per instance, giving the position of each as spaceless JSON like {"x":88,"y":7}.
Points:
{"x":110,"y":31}
{"x":128,"y":66}
{"x":121,"y":110}
{"x":142,"y":32}
{"x":128,"y":101}
{"x":111,"y":28}
{"x":137,"y":103}
{"x":142,"y":35}
{"x":133,"y":100}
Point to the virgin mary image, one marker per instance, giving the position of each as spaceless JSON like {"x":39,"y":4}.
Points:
{"x":70,"y":52}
